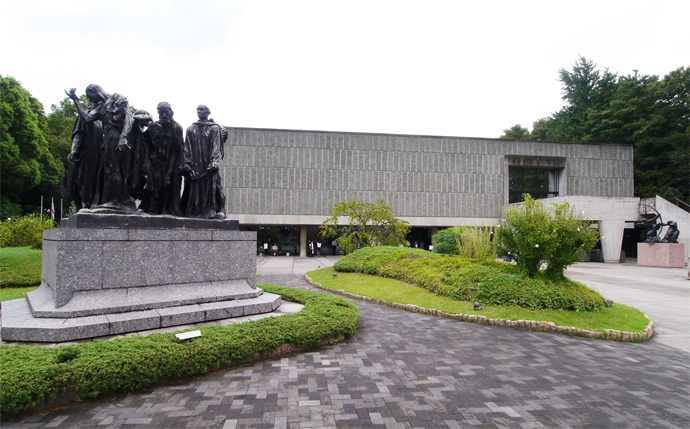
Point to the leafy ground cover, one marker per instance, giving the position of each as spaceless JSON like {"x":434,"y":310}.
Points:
{"x":489,"y":282}
{"x":618,"y":317}
{"x":20,"y":267}
{"x":32,"y":375}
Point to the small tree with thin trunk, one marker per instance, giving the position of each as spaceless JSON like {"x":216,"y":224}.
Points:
{"x":368,"y":224}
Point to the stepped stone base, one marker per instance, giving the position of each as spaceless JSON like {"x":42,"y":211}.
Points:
{"x":109,"y":273}
{"x":108,"y":301}
{"x":19,"y":324}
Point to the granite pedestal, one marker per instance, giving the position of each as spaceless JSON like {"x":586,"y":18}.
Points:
{"x":664,"y":255}
{"x":99,"y":279}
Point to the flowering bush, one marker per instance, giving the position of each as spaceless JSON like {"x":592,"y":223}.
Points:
{"x":534,"y":234}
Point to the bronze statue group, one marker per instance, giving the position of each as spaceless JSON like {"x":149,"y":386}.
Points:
{"x":118,"y":157}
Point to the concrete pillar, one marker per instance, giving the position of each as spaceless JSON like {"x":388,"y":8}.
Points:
{"x":303,"y":241}
{"x":611,"y":239}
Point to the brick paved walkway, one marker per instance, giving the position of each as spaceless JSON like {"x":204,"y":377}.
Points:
{"x":411,"y":370}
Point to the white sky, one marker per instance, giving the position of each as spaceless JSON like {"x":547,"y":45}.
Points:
{"x":454,"y":68}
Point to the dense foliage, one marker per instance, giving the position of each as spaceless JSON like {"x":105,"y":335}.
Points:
{"x":535,"y":235}
{"x":648,"y":112}
{"x":466,"y":241}
{"x":24,"y":231}
{"x":30,"y":155}
{"x":489,"y":282}
{"x":445,"y":241}
{"x":369,"y":224}
{"x":20,"y":267}
{"x":31,"y":374}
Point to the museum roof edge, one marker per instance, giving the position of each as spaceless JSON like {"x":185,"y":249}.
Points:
{"x":421,"y":135}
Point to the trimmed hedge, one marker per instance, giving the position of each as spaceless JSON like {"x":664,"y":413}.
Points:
{"x":31,"y":375}
{"x":489,"y":282}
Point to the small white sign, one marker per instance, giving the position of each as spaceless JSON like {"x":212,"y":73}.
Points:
{"x":188,"y":335}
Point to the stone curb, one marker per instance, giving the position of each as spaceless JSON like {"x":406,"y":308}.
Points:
{"x":524,"y":325}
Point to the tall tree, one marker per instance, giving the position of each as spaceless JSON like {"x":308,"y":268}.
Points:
{"x":60,"y":123}
{"x":516,"y":132}
{"x":29,"y":169}
{"x":649,"y":113}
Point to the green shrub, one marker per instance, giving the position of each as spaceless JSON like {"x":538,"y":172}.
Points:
{"x":490,"y":282}
{"x":536,"y":235}
{"x":24,"y":231}
{"x":31,"y":374}
{"x":446,"y":240}
{"x":475,"y":243}
{"x":466,"y":241}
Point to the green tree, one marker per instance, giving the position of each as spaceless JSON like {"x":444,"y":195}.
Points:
{"x":60,"y":123}
{"x":29,"y":168}
{"x":369,"y":224}
{"x":651,"y":114}
{"x":535,"y":235}
{"x":516,"y":132}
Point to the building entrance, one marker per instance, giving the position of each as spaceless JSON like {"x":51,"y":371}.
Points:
{"x":276,"y":240}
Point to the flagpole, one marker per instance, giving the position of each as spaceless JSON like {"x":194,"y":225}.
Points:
{"x":41,"y":209}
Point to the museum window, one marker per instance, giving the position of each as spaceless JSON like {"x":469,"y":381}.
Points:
{"x":538,"y":176}
{"x":537,"y":182}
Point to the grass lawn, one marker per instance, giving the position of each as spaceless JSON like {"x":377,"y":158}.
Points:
{"x":20,"y":267}
{"x":9,"y":293}
{"x":618,"y":317}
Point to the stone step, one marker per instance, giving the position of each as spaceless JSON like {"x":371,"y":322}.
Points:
{"x":19,"y":324}
{"x":122,"y":300}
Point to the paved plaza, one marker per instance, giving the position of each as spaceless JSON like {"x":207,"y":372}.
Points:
{"x":406,"y":370}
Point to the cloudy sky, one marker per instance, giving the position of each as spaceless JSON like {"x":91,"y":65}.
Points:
{"x":455,"y":68}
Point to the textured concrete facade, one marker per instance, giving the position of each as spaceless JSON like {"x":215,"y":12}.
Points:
{"x":298,"y":176}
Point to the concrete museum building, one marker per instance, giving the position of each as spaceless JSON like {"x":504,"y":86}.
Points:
{"x":284,"y":183}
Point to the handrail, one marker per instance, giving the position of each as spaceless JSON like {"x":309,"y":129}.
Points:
{"x":681,"y":201}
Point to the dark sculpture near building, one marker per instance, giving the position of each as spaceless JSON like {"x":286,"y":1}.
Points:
{"x":163,"y":157}
{"x":672,"y":233}
{"x":654,"y":226}
{"x":137,"y":175}
{"x":203,"y":147}
{"x":104,"y":129}
{"x":118,"y":157}
{"x":87,"y":141}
